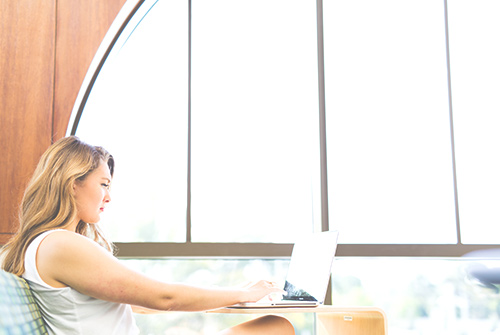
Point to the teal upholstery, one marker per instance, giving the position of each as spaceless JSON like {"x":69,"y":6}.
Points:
{"x":19,"y":313}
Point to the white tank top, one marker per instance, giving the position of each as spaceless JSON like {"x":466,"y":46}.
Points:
{"x":68,"y":312}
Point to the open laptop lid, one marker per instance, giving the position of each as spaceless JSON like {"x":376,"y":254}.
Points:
{"x":308,"y":273}
{"x":310,"y":267}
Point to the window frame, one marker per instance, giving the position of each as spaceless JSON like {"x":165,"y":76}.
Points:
{"x":190,"y":249}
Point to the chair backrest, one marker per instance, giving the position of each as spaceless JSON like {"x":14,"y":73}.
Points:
{"x":19,"y":312}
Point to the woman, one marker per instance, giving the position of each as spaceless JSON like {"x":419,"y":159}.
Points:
{"x":80,"y":286}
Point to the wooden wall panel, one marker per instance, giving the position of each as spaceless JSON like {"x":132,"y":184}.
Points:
{"x":41,"y":71}
{"x":27,"y":30}
{"x":81,"y":26}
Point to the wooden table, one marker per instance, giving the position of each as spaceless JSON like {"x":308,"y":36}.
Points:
{"x":331,"y":319}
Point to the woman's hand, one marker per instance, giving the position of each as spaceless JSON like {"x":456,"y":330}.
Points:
{"x":261,"y":289}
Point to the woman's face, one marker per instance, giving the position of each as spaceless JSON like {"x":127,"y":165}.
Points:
{"x":92,"y":194}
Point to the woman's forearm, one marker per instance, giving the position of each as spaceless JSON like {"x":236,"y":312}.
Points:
{"x":180,"y":297}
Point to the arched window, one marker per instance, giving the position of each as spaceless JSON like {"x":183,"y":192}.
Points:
{"x":244,"y":124}
{"x":238,"y":125}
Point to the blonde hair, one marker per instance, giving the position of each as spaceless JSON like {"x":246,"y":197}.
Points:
{"x":48,"y":201}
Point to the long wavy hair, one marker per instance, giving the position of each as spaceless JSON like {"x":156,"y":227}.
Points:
{"x":49,"y":203}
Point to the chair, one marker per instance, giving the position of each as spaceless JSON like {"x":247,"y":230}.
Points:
{"x":19,"y":312}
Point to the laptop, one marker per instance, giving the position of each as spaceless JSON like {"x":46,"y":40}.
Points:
{"x":308,"y":273}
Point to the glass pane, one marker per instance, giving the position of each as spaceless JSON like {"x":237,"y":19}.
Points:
{"x":255,"y":142}
{"x":208,"y":273}
{"x":420,"y":296}
{"x":138,"y":111}
{"x":390,"y":176}
{"x":475,"y":69}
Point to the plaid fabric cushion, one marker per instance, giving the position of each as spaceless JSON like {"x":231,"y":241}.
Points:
{"x":19,"y":313}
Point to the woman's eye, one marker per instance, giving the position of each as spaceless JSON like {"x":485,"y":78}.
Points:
{"x":106,"y":186}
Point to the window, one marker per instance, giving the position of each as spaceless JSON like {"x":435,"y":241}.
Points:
{"x":137,"y":110}
{"x":222,"y":115}
{"x":475,"y":50}
{"x":238,"y":124}
{"x":241,"y":171}
{"x":254,"y":121}
{"x":390,"y":167}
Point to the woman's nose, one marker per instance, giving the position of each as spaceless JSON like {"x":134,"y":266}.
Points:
{"x":107,"y":197}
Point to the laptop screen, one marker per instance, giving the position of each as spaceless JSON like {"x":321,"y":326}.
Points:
{"x":310,"y":267}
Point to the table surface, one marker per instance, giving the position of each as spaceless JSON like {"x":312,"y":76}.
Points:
{"x":280,"y":310}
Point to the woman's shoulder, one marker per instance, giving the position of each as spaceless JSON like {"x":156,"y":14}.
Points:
{"x":64,"y":240}
{"x":64,"y":258}
{"x":49,"y":238}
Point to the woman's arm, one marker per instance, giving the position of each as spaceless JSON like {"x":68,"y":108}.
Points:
{"x":68,"y":259}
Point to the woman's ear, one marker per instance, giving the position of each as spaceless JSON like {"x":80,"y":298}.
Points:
{"x":73,"y":187}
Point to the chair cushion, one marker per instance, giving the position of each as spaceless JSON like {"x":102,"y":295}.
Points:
{"x":19,"y":313}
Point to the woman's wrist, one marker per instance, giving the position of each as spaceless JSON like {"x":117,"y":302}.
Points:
{"x":242,"y":295}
